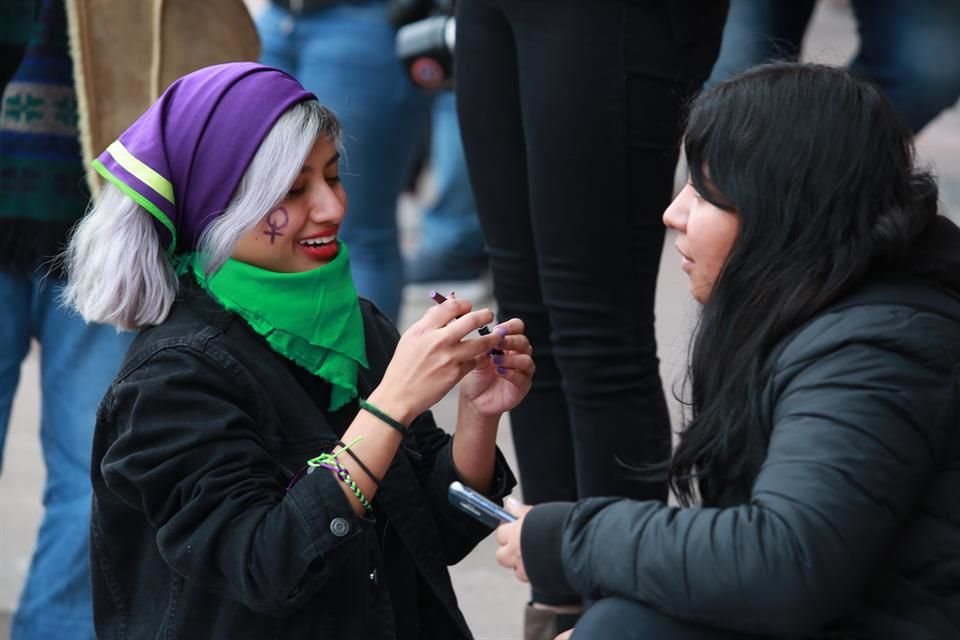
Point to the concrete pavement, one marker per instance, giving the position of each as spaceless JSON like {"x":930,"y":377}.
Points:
{"x":491,"y":599}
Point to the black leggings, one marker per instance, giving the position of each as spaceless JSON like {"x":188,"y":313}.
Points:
{"x":570,"y":113}
{"x":620,"y":619}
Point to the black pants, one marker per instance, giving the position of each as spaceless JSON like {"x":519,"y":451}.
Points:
{"x":570,"y":113}
{"x":620,"y":619}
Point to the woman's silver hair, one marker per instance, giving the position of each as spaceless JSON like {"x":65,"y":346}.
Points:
{"x":118,"y":272}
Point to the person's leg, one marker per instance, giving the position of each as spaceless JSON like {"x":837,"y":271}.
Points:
{"x":602,"y":103}
{"x":346,"y":56}
{"x":758,"y":31}
{"x":488,"y":103}
{"x":451,"y":243}
{"x":911,"y":50}
{"x":624,"y":619}
{"x":14,"y":342}
{"x":277,"y":46}
{"x":14,"y":345}
{"x":78,"y":361}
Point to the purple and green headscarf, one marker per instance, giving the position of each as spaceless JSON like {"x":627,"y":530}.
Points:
{"x":183,"y":159}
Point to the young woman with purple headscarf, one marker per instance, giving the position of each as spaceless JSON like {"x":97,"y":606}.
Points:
{"x":265,"y":462}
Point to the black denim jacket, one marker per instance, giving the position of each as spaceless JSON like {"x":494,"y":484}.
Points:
{"x":194,"y":534}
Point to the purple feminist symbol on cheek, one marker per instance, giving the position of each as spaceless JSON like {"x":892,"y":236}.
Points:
{"x":278,"y":219}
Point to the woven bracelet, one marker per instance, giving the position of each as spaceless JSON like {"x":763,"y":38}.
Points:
{"x":330,"y":461}
{"x":396,"y":424}
{"x":341,"y":472}
{"x":347,"y":480}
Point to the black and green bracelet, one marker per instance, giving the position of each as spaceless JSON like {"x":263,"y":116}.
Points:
{"x":396,"y":424}
{"x":347,"y":480}
{"x":330,"y":461}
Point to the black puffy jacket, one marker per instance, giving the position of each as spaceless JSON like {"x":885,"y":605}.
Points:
{"x":851,"y":526}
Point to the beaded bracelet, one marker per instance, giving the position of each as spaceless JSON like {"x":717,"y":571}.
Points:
{"x":396,"y":424}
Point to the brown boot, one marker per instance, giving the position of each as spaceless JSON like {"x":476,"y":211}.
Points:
{"x":544,"y":624}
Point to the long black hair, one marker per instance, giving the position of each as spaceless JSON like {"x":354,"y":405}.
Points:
{"x":820,"y":170}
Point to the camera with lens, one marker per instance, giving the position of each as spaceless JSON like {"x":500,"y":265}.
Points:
{"x":426,"y":34}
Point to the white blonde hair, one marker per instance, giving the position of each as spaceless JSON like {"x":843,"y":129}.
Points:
{"x":117,"y":271}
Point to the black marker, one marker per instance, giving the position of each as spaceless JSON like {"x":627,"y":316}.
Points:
{"x":483,"y":331}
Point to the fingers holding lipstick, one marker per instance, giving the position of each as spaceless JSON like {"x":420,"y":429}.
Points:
{"x":515,"y":367}
{"x":445,"y":312}
{"x":503,"y":372}
{"x":514,"y":358}
{"x":506,"y":348}
{"x":467,"y":324}
{"x":513,"y":338}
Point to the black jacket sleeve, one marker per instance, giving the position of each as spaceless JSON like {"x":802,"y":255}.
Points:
{"x":433,"y":456}
{"x":459,"y":532}
{"x":541,"y":545}
{"x":861,"y":414}
{"x":188,"y":454}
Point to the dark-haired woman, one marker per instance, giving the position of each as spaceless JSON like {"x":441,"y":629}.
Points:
{"x":818,"y":474}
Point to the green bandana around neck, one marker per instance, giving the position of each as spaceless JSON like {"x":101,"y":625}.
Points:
{"x":312,"y":317}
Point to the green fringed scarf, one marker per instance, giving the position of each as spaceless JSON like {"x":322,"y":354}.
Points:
{"x":312,"y":318}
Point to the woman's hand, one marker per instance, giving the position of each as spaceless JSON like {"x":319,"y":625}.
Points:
{"x":509,"y":554}
{"x":499,"y":382}
{"x":432,"y":357}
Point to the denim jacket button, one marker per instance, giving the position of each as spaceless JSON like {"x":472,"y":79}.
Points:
{"x":339,"y":527}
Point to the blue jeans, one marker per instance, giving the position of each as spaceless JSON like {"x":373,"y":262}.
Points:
{"x":450,"y":225}
{"x":345,"y":54}
{"x":910,"y":48}
{"x":77,"y":363}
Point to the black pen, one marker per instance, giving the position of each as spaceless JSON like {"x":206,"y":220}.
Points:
{"x":483,"y":331}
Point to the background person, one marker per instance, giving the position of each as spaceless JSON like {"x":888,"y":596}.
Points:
{"x":909,"y":48}
{"x":42,"y":194}
{"x":570,"y":116}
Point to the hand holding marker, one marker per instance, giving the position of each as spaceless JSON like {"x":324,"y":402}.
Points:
{"x":462,"y":496}
{"x":437,"y":297}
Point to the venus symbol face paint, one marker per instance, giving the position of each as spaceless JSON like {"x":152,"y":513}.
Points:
{"x":276,"y":220}
{"x":301,"y":233}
